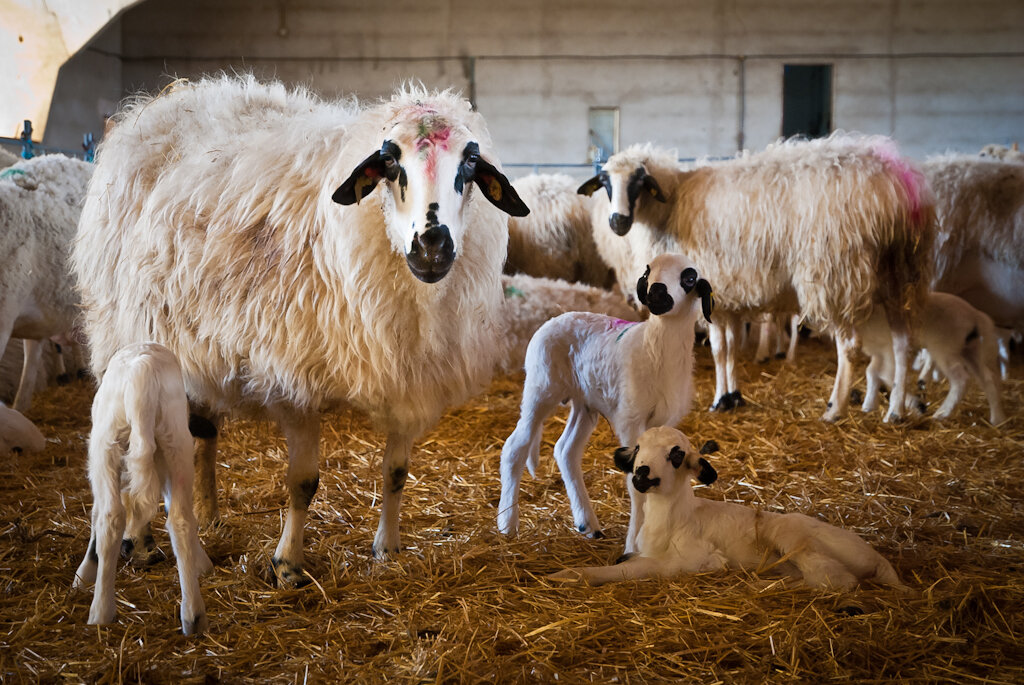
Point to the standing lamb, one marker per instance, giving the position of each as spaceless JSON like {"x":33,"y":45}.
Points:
{"x":40,"y":202}
{"x":556,"y":239}
{"x":683,"y":533}
{"x":961,"y":341}
{"x":830,"y":228}
{"x":236,"y":222}
{"x":979,"y":245}
{"x":636,"y":375}
{"x":140,"y":440}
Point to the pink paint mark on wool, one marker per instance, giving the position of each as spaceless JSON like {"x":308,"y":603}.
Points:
{"x":432,"y":136}
{"x":910,"y":178}
{"x":619,"y":323}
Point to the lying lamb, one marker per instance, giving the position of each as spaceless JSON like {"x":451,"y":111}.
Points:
{"x":683,"y":533}
{"x":636,"y":375}
{"x":140,"y":426}
{"x":17,"y":433}
{"x":962,"y":343}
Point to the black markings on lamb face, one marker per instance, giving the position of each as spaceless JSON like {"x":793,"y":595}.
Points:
{"x":397,"y":478}
{"x":707,"y":474}
{"x":432,"y":215}
{"x":641,"y":287}
{"x":306,"y":490}
{"x":658,"y":300}
{"x":625,"y":457}
{"x":642,"y":480}
{"x":676,"y":456}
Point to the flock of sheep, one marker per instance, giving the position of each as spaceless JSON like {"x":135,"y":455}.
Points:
{"x":264,"y":252}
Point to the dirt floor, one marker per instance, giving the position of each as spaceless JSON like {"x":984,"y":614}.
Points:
{"x":945,"y":503}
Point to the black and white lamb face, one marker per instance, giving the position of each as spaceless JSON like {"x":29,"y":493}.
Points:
{"x":624,"y":182}
{"x":663,"y":461}
{"x":672,"y":285}
{"x":429,"y":167}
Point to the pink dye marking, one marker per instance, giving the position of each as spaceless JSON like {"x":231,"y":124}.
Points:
{"x":908,"y":176}
{"x":619,"y":323}
{"x":432,"y":135}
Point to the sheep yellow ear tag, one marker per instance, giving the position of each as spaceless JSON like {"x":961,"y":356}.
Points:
{"x":493,"y":188}
{"x":361,"y":189}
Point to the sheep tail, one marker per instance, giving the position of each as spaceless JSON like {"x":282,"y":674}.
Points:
{"x":140,"y":406}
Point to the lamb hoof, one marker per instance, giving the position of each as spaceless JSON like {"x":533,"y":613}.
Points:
{"x":286,"y":574}
{"x":856,"y":397}
{"x":594,"y":533}
{"x":831,"y":415}
{"x":737,"y":399}
{"x":63,"y":378}
{"x":780,"y":355}
{"x":385,"y":552}
{"x":197,"y":626}
{"x":141,"y":554}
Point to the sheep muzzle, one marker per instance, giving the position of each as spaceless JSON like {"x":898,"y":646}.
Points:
{"x":642,"y":480}
{"x":432,"y":254}
{"x":620,"y":223}
{"x":658,"y":299}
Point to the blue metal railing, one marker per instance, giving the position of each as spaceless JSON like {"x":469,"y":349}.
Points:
{"x":28,"y":148}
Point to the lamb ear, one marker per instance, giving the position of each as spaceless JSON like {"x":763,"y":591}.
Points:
{"x":707,"y":298}
{"x":361,"y":182}
{"x":590,"y":186}
{"x":498,"y":190}
{"x":676,"y":456}
{"x":652,"y":187}
{"x":641,"y":287}
{"x":707,"y":474}
{"x":624,"y":458}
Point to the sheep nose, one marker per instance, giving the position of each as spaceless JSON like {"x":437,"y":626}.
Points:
{"x":658,"y":299}
{"x":432,"y":254}
{"x":642,"y":480}
{"x":620,"y":223}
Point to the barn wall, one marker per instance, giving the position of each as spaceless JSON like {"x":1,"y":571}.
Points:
{"x":702,"y":77}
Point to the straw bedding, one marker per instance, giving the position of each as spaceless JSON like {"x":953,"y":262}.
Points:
{"x":944,"y":503}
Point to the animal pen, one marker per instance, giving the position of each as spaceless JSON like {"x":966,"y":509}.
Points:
{"x":461,"y":603}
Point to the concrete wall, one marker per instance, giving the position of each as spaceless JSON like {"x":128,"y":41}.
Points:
{"x":699,"y":76}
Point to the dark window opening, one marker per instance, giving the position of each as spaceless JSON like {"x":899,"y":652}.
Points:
{"x":807,"y":100}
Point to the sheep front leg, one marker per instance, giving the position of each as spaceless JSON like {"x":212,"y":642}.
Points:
{"x":720,"y":353}
{"x":636,"y":515}
{"x":569,"y":456}
{"x":32,"y":358}
{"x":302,"y":434}
{"x":205,"y":495}
{"x":395,"y":468}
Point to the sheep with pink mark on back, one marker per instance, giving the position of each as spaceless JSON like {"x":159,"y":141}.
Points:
{"x":831,"y":228}
{"x":636,"y":375}
{"x":297,"y":254}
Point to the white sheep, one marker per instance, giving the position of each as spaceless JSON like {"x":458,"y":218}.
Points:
{"x":8,"y":158}
{"x":636,"y":375}
{"x":530,"y":301}
{"x":830,"y":228}
{"x":961,"y":341}
{"x":283,"y":283}
{"x":683,"y":533}
{"x":40,"y":203}
{"x":979,"y":245}
{"x":555,"y":240}
{"x":140,"y":442}
{"x":17,"y":433}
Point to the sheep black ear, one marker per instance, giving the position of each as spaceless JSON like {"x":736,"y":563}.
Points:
{"x":641,"y":287}
{"x":590,"y":186}
{"x":652,"y":187}
{"x":676,"y":456}
{"x":707,"y":298}
{"x":498,"y":190}
{"x":707,"y":474}
{"x":361,"y":182}
{"x":624,"y":458}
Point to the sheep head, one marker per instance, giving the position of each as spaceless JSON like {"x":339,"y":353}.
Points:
{"x":428,"y":165}
{"x":663,"y":461}
{"x":672,"y":284}
{"x":624,"y":184}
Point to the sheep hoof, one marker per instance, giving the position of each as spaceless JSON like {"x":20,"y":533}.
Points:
{"x":284,"y":574}
{"x":780,"y":355}
{"x":63,"y":378}
{"x":197,"y":626}
{"x":141,"y":555}
{"x":737,"y":399}
{"x":385,"y":553}
{"x":723,"y":403}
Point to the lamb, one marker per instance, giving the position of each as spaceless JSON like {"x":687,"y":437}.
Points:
{"x":979,"y":246}
{"x":140,"y":440}
{"x":1001,"y":152}
{"x":636,"y":375}
{"x":683,"y":533}
{"x":961,"y":341}
{"x":529,"y":302}
{"x":555,"y":240}
{"x":17,"y":433}
{"x":830,"y":228}
{"x":40,"y":203}
{"x":283,"y":283}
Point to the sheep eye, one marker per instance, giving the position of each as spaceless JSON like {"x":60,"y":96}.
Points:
{"x":389,"y":160}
